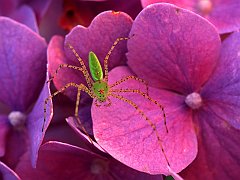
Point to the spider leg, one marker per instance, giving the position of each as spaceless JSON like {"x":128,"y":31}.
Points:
{"x":147,"y":97}
{"x":146,"y":118}
{"x":131,"y":77}
{"x":64,"y":66}
{"x":96,"y":103}
{"x":81,"y":87}
{"x":59,"y":91}
{"x":84,"y":69}
{"x":109,"y":53}
{"x":109,"y":102}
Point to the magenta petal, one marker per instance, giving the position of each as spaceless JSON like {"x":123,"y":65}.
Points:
{"x":181,"y":3}
{"x":36,"y":120}
{"x":6,"y":173}
{"x":218,"y":156}
{"x":56,"y":56}
{"x":223,"y":14}
{"x":99,"y":37}
{"x":173,"y":48}
{"x":222,"y":91}
{"x":22,"y":66}
{"x":64,"y":161}
{"x":25,"y":15}
{"x":128,"y":137}
{"x":4,"y":126}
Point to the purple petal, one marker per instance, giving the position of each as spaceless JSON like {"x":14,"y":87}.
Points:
{"x":36,"y":120}
{"x":128,"y":137}
{"x":25,"y":15}
{"x":223,"y":14}
{"x":4,"y":126}
{"x":7,"y":173}
{"x":218,"y":156}
{"x":49,"y":25}
{"x":222,"y":91}
{"x":23,"y":64}
{"x":99,"y":38}
{"x":64,"y":161}
{"x":173,"y":48}
{"x":40,"y":7}
{"x":16,"y":146}
{"x":181,"y":3}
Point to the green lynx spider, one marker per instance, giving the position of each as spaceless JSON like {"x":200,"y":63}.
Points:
{"x":99,"y":89}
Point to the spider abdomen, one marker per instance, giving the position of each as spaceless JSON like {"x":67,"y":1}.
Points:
{"x":95,"y":67}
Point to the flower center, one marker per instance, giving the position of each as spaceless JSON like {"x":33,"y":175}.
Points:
{"x":17,"y":119}
{"x":205,"y":6}
{"x":99,"y":167}
{"x":194,"y":100}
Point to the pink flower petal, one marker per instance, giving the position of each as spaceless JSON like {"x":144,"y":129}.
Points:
{"x":173,"y":48}
{"x":181,"y":3}
{"x":128,"y":137}
{"x":224,"y":14}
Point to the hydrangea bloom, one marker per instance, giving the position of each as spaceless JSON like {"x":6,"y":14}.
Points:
{"x":195,"y":77}
{"x":223,"y":14}
{"x":90,"y":39}
{"x":23,"y":72}
{"x":189,"y":72}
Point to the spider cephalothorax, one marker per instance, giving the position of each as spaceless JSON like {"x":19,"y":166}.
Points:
{"x":100,"y":89}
